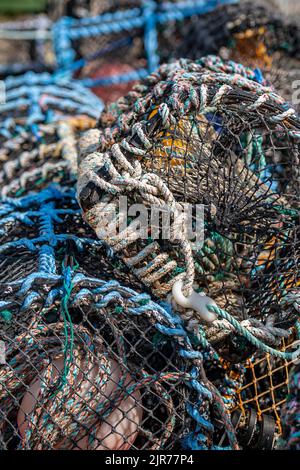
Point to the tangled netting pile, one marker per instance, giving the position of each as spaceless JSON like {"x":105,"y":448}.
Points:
{"x":118,"y":42}
{"x":117,"y":335}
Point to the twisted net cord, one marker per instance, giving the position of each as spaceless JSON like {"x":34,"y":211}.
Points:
{"x":153,"y":190}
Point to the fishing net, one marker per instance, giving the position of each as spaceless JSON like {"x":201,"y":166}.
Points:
{"x":111,"y":376}
{"x":94,"y":351}
{"x":66,"y":332}
{"x":83,"y":46}
{"x":101,"y":402}
{"x":26,"y":45}
{"x":208,"y":133}
{"x":127,"y":35}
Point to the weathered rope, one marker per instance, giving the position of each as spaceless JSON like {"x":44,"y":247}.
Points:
{"x":239,"y":328}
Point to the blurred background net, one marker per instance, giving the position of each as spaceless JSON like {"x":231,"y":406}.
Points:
{"x":90,"y":363}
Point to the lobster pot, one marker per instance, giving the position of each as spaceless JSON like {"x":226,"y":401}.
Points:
{"x":26,"y":45}
{"x":211,"y":133}
{"x":125,"y":49}
{"x":100,"y":368}
{"x":206,"y":133}
{"x":88,"y":359}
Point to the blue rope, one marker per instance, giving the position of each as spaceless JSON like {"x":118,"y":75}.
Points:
{"x":45,"y":215}
{"x":148,"y":17}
